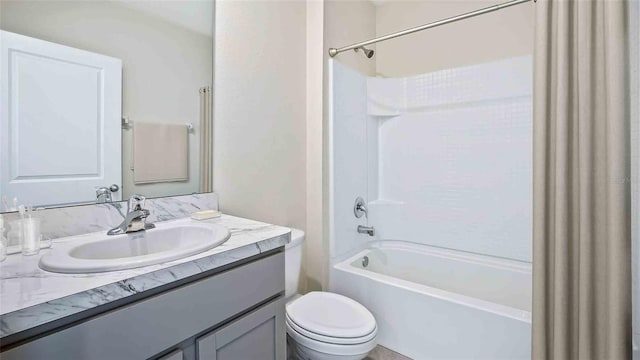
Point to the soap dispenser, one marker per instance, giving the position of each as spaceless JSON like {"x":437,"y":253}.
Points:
{"x":29,"y":231}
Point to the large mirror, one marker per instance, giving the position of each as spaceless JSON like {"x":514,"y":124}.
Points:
{"x":104,"y":99}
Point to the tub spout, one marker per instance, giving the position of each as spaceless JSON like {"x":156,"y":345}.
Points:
{"x":369,"y":230}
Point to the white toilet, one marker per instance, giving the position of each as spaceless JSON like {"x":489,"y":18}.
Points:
{"x":323,"y":325}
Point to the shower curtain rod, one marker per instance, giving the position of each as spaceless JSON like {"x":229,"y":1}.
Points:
{"x":333,"y":51}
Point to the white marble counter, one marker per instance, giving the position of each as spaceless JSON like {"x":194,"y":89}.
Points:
{"x":31,"y":297}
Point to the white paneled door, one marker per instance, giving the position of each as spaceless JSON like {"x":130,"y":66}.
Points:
{"x":60,"y":124}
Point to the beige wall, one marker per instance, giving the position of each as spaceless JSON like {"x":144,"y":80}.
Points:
{"x":164,"y":65}
{"x":501,"y":34}
{"x":634,"y":54}
{"x":315,"y":249}
{"x":269,"y":130}
{"x":260,"y":110}
{"x":347,"y":22}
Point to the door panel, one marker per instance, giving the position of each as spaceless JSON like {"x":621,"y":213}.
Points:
{"x":60,"y":127}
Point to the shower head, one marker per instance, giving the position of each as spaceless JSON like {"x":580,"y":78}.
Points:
{"x":367,"y":52}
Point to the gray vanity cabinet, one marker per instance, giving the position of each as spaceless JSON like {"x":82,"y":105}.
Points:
{"x":254,"y":336}
{"x":174,"y":355}
{"x":237,"y":313}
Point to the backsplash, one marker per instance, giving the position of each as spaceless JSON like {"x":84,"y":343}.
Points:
{"x":75,"y":220}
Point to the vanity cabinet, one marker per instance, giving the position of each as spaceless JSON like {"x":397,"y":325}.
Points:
{"x":254,"y":336}
{"x":234,"y":314}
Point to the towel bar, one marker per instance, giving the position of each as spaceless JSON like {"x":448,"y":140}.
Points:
{"x":127,"y":124}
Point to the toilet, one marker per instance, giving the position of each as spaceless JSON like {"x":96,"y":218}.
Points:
{"x":323,"y":325}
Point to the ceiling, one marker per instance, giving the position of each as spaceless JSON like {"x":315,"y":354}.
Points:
{"x":195,"y":15}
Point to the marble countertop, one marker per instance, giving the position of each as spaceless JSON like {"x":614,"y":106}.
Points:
{"x":30,"y":297}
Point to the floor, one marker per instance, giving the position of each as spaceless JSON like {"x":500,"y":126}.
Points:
{"x":382,"y":353}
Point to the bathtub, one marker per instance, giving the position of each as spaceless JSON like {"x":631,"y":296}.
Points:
{"x":433,"y":303}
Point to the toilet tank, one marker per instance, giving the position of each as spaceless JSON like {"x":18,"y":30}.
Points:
{"x":293,"y":262}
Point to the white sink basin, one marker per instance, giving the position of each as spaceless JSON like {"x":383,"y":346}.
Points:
{"x":108,"y":253}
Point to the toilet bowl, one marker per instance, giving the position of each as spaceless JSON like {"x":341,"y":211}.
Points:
{"x":323,"y":325}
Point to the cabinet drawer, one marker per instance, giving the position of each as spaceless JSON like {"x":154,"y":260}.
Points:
{"x":147,"y":327}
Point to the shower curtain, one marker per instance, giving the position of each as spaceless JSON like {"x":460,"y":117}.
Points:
{"x":206,"y":181}
{"x":582,"y":235}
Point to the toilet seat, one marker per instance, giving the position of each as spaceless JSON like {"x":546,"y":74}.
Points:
{"x":331,"y":315}
{"x":331,"y":339}
{"x":333,"y":349}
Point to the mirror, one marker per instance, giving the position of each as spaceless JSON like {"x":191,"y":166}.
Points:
{"x":104,"y":99}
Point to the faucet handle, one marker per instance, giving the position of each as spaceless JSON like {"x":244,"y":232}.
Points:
{"x":136,"y":202}
{"x":103,"y":195}
{"x":360,"y":208}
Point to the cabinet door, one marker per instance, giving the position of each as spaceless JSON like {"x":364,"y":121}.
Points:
{"x":260,"y":335}
{"x":176,"y":355}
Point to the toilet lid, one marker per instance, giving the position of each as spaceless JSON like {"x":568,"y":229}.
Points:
{"x":331,"y":315}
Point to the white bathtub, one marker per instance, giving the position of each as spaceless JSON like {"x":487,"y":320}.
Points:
{"x":433,"y":303}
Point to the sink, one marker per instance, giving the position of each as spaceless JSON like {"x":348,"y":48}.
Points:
{"x":101,"y":252}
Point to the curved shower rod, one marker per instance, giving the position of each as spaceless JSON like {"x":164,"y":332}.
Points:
{"x":333,"y":51}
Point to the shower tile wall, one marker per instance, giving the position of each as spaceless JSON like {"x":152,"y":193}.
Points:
{"x":452,"y":160}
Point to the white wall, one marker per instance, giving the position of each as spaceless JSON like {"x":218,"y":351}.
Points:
{"x":348,"y":158}
{"x":345,"y":22}
{"x":502,"y":34}
{"x":260,"y":110}
{"x":442,"y":158}
{"x":455,"y":163}
{"x":164,"y":65}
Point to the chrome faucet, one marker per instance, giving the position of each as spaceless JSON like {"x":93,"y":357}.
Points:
{"x":136,"y":217}
{"x":369,"y":230}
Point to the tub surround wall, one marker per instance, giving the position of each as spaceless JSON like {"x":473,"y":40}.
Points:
{"x":442,"y":159}
{"x":344,"y":22}
{"x":75,"y":220}
{"x":348,"y":157}
{"x":31,"y":297}
{"x":455,"y":158}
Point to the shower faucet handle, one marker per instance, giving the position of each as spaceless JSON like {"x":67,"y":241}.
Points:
{"x":360,"y":208}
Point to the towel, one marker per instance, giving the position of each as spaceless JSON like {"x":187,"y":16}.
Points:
{"x":160,"y":153}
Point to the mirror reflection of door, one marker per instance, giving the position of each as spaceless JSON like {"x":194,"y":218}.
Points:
{"x":60,"y":122}
{"x":67,"y":137}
